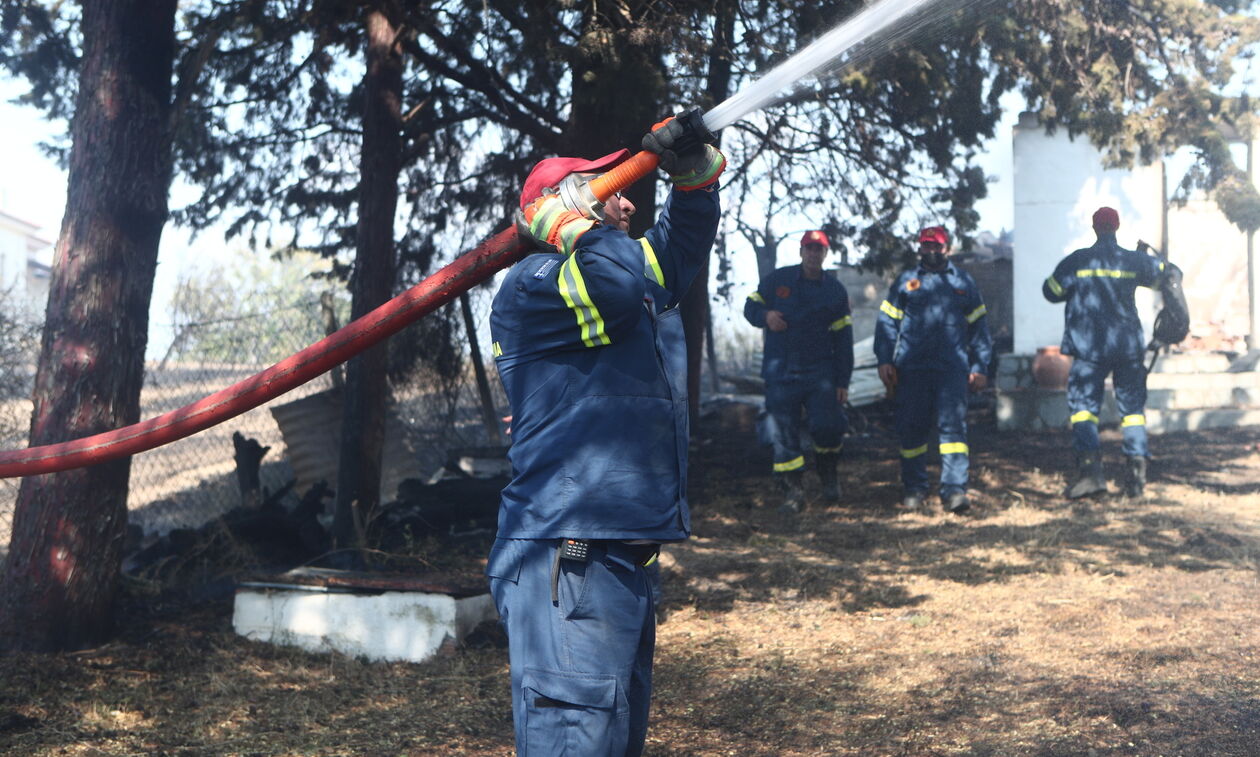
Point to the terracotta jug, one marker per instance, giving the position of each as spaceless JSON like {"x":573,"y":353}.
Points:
{"x":1050,"y":368}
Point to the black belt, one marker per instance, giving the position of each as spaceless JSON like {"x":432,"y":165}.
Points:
{"x":579,"y":550}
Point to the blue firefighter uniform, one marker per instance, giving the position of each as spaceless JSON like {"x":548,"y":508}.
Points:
{"x":591,"y":354}
{"x":933,"y":328}
{"x":804,"y":365}
{"x":1103,"y":333}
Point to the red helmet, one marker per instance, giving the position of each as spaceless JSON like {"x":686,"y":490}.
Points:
{"x":815,"y":237}
{"x":1106,"y":219}
{"x":936,"y":234}
{"x":550,"y":172}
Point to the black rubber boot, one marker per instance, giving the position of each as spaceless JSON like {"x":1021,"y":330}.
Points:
{"x":1089,"y":476}
{"x":829,"y":477}
{"x":793,"y":492}
{"x":914,"y":502}
{"x":1135,"y":478}
{"x":957,"y":503}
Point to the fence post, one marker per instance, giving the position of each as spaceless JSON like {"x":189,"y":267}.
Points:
{"x":488,"y":415}
{"x":329,"y":311}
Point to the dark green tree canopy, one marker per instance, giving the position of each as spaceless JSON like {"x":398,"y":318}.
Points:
{"x":268,"y":125}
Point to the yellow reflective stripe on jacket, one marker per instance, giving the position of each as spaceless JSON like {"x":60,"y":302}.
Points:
{"x":1133,"y":420}
{"x":841,"y":323}
{"x":975,"y":315}
{"x":1083,"y":416}
{"x":573,"y":290}
{"x":496,"y":349}
{"x":828,"y":450}
{"x":955,"y":448}
{"x":1054,"y":285}
{"x":756,"y":297}
{"x":909,"y":453}
{"x":1105,"y":273}
{"x":790,"y":465}
{"x":651,"y":266}
{"x":888,"y":309}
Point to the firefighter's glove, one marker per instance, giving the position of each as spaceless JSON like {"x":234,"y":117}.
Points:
{"x":682,"y":144}
{"x":552,"y":226}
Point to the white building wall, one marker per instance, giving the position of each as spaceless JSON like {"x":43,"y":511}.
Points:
{"x":1212,"y":253}
{"x":12,"y":261}
{"x":24,"y":264}
{"x":1058,"y":184}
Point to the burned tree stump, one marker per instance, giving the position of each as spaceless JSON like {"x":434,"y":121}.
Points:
{"x":248,"y":456}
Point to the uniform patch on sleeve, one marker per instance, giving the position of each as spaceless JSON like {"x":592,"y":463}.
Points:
{"x":783,"y":292}
{"x":913,"y":284}
{"x":545,"y":268}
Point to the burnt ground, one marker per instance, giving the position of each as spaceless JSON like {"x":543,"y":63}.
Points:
{"x":1031,"y":626}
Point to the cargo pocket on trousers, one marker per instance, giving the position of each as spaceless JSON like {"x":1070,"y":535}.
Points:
{"x":504,"y":567}
{"x":505,"y":559}
{"x":573,"y":713}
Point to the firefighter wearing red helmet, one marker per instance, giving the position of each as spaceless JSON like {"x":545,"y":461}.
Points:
{"x":807,"y":361}
{"x":933,"y":345}
{"x":588,"y":341}
{"x":1103,"y":334}
{"x":817,"y":237}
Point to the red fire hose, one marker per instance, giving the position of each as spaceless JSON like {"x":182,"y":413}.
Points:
{"x":465,"y":272}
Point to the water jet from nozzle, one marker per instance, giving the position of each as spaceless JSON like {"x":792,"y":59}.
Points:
{"x":877,"y":27}
{"x":818,"y":55}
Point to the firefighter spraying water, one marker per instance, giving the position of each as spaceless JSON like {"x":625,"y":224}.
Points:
{"x":588,"y":342}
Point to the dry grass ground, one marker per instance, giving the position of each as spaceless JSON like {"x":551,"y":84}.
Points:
{"x":1030,"y":627}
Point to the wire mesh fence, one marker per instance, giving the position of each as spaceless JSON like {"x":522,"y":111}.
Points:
{"x":188,"y":482}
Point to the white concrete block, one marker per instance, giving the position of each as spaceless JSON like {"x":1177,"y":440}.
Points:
{"x":377,"y":625}
{"x":1191,"y":362}
{"x":1160,"y":421}
{"x":485,"y":467}
{"x":1044,"y":410}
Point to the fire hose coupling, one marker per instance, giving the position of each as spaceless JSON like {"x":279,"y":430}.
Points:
{"x":576,"y":194}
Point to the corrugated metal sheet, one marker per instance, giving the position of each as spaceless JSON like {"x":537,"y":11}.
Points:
{"x":311,"y":427}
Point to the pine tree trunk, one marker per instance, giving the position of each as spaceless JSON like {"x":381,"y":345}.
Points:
{"x":363,"y":415}
{"x":618,"y":87}
{"x":695,"y":305}
{"x":61,"y":573}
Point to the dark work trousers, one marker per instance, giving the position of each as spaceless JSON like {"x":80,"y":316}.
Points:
{"x":581,"y":668}
{"x":1085,"y":396}
{"x":925,"y":398}
{"x":785,"y":398}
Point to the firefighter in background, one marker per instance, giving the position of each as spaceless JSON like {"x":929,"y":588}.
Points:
{"x":806,"y":362}
{"x":1103,"y":334}
{"x":588,"y":341}
{"x":933,"y":346}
